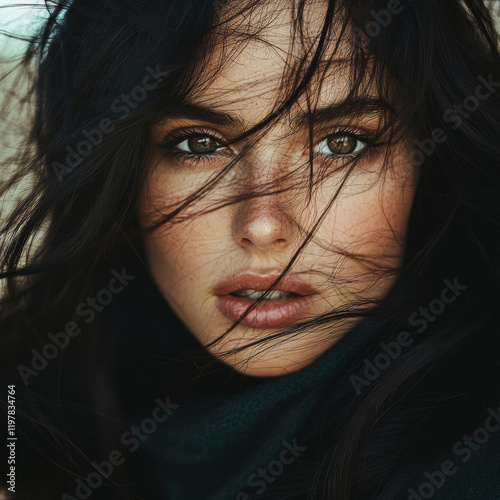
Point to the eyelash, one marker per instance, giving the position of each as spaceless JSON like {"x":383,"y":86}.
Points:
{"x":367,"y":139}
{"x":174,"y":139}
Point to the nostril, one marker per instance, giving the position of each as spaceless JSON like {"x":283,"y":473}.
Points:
{"x":263,"y":244}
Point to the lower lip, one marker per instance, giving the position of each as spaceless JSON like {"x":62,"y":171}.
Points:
{"x":270,"y":313}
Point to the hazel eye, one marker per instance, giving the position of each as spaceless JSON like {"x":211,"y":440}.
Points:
{"x":340,"y":144}
{"x":200,"y":144}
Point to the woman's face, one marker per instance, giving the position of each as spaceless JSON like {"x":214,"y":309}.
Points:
{"x":212,"y":265}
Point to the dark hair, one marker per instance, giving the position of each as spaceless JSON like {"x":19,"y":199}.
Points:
{"x":82,"y":204}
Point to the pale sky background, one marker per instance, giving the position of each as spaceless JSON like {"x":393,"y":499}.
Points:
{"x":20,"y":18}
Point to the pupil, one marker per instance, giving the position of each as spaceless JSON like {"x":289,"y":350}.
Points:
{"x":342,"y":144}
{"x":202,"y":144}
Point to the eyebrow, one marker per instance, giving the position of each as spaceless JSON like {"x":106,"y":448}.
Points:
{"x":194,"y":111}
{"x":346,"y":108}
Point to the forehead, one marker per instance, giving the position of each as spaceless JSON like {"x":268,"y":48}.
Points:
{"x":258,"y":58}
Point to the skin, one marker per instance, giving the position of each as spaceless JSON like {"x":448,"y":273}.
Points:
{"x":188,"y":258}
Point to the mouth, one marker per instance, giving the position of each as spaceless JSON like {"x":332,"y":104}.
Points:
{"x":284,"y":304}
{"x":255,"y":294}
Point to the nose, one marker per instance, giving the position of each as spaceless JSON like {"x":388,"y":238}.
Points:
{"x":262,"y":223}
{"x":266,"y":219}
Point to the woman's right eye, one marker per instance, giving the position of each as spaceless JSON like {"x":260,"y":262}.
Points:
{"x":199,"y":144}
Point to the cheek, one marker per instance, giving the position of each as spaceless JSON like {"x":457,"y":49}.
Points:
{"x":183,"y":251}
{"x":370,"y":219}
{"x":178,"y":268}
{"x":182,"y":258}
{"x":173,"y":246}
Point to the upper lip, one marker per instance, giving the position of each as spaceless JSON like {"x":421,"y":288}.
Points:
{"x":262,"y":281}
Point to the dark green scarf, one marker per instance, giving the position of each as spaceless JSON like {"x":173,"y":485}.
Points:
{"x":229,"y":442}
{"x":213,"y":447}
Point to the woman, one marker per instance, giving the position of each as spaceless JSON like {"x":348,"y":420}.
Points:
{"x":267,"y":263}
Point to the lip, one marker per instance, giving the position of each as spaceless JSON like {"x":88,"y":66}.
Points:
{"x":269,"y":313}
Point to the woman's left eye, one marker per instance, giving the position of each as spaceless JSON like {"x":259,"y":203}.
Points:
{"x":341,"y":144}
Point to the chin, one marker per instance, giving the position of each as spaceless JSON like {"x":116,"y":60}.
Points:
{"x":265,"y":361}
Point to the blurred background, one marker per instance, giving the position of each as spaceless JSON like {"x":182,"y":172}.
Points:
{"x":20,"y":19}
